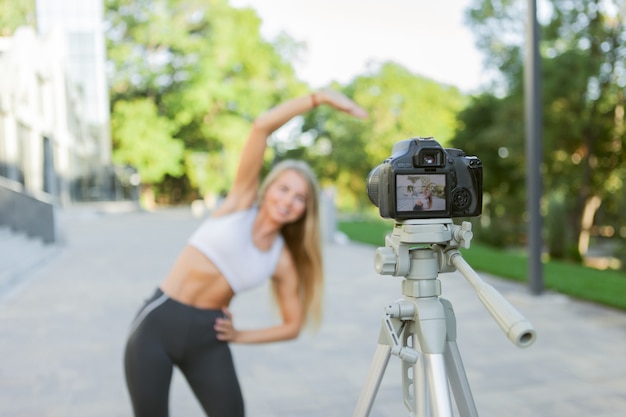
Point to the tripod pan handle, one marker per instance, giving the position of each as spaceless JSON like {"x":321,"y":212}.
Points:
{"x":513,"y":324}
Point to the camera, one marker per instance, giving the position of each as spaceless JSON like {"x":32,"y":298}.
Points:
{"x":422,"y":180}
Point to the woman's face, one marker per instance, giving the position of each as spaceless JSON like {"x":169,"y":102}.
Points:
{"x":285,"y":199}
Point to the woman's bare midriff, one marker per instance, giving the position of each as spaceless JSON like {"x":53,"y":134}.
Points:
{"x":194,"y":280}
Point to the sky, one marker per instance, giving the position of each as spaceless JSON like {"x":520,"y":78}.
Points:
{"x":427,"y":37}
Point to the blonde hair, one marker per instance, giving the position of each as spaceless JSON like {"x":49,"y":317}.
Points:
{"x":303,"y":239}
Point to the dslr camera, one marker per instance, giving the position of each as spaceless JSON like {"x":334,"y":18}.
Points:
{"x":422,"y":180}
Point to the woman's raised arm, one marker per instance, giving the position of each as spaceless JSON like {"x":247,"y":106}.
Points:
{"x":243,"y":192}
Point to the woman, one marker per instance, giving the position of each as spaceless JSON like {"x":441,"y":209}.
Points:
{"x":254,"y":235}
{"x":424,"y":203}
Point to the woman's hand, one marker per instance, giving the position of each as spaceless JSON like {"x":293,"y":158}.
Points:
{"x":340,"y":102}
{"x":226,"y":332}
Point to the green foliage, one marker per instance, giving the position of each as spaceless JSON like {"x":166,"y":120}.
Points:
{"x":556,"y":227}
{"x":583,"y":80}
{"x":492,"y":129}
{"x":206,"y":68}
{"x":14,"y":14}
{"x":144,"y":139}
{"x":404,"y":105}
{"x":370,"y":232}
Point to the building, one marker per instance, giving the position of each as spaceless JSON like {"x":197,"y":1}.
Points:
{"x":55,"y":145}
{"x":81,"y":24}
{"x":44,"y":139}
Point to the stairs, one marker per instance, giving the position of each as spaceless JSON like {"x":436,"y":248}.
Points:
{"x":19,"y":255}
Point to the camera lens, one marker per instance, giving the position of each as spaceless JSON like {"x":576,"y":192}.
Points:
{"x":373,"y":183}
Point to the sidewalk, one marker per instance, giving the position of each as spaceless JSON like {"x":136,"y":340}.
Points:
{"x":62,"y":334}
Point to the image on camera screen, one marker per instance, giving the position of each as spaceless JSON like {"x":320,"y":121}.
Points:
{"x":420,"y":192}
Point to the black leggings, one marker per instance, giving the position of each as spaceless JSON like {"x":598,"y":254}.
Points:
{"x":167,"y":333}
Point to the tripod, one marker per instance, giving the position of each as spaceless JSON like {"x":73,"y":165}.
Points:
{"x":421,"y":327}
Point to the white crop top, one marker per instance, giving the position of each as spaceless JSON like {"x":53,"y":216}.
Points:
{"x":227,"y":242}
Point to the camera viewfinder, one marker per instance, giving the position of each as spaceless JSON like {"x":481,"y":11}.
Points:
{"x":428,"y":158}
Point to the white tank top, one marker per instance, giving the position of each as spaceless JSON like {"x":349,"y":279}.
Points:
{"x":227,"y":242}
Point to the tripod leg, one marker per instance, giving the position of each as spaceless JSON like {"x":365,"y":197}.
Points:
{"x":456,"y":373}
{"x":458,"y":382}
{"x":374,"y":378}
{"x":437,"y":381}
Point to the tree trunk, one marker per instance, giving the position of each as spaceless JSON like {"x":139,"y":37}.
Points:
{"x":592,"y":204}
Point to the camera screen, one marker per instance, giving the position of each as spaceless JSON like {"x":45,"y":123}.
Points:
{"x":420,"y":192}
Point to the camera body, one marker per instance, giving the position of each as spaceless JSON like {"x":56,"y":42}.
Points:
{"x":422,"y":180}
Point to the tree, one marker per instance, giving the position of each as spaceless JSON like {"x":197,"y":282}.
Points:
{"x":586,"y":117}
{"x":14,"y":14}
{"x":144,"y":139}
{"x":206,"y":69}
{"x":584,"y":77}
{"x":492,"y":129}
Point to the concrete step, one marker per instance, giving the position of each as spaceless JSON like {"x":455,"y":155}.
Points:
{"x":19,"y":255}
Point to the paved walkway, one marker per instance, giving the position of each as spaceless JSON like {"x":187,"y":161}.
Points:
{"x":62,"y":334}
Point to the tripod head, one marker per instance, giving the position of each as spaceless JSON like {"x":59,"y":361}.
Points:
{"x":443,"y":238}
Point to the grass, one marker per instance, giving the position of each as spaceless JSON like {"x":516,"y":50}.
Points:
{"x":602,"y":287}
